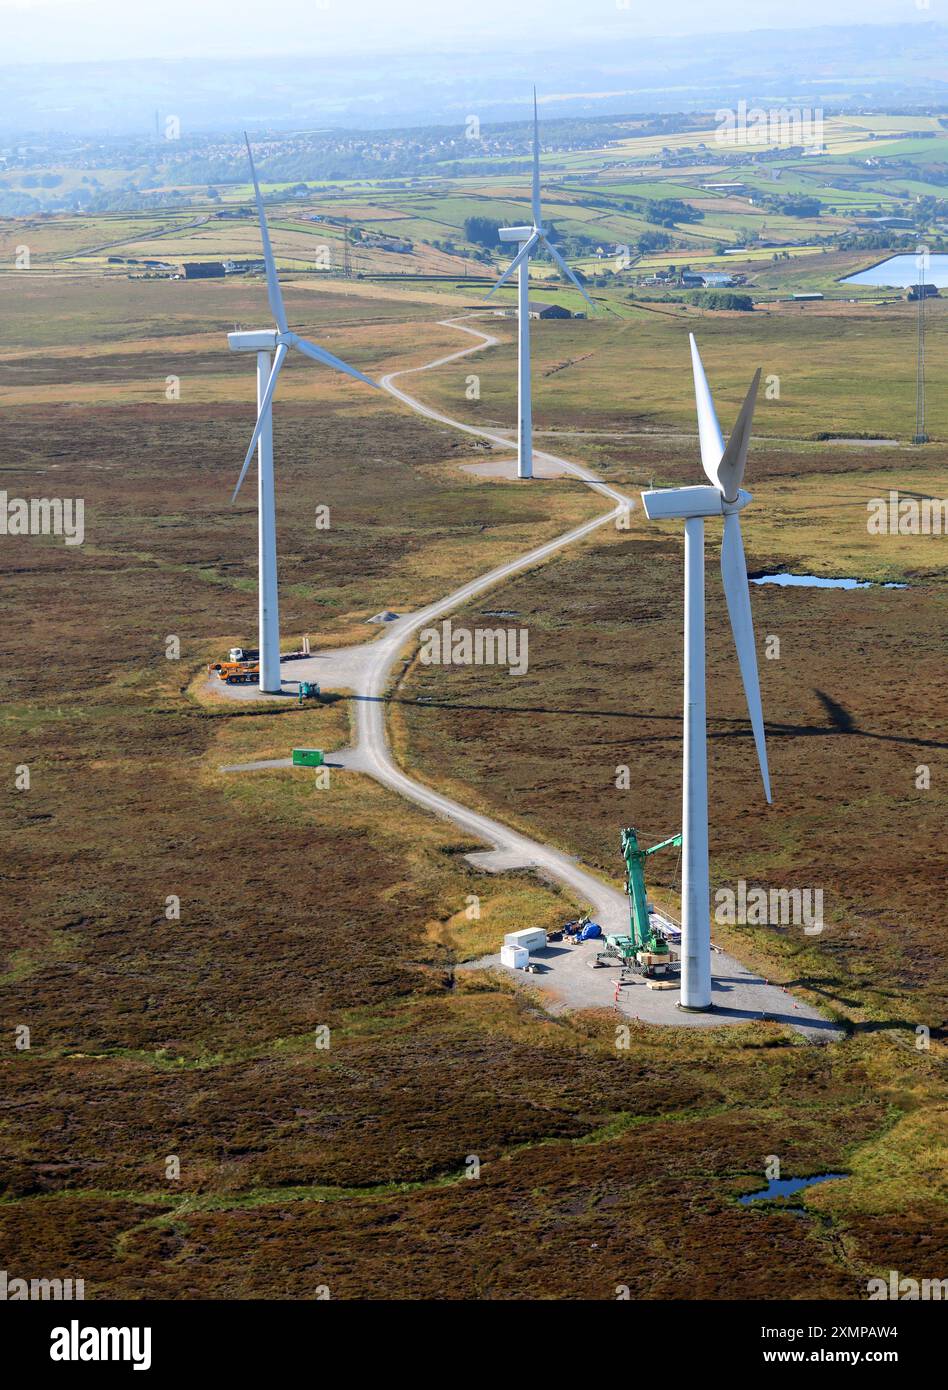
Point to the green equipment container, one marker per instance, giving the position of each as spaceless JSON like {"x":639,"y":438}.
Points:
{"x":307,"y":757}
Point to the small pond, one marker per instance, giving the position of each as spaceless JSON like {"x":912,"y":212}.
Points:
{"x":786,"y":1187}
{"x":814,"y":581}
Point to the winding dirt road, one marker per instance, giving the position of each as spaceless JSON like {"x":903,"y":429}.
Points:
{"x":366,"y":669}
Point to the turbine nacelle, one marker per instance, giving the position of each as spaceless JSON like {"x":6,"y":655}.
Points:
{"x":269,"y":339}
{"x":680,"y":503}
{"x":254,"y":340}
{"x":517,"y":233}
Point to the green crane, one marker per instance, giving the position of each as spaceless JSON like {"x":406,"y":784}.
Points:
{"x":644,"y":948}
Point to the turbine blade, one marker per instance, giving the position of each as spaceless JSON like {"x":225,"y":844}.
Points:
{"x":274,"y":293}
{"x":278,"y":360}
{"x":709,"y":431}
{"x":536,"y":163}
{"x":518,"y":260}
{"x":321,"y":354}
{"x":566,"y":271}
{"x":731,"y":468}
{"x":737,"y":595}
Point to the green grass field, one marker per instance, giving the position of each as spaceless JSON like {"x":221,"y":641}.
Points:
{"x":849,"y":370}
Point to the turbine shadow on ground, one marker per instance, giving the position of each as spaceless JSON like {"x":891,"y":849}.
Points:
{"x":843,"y":725}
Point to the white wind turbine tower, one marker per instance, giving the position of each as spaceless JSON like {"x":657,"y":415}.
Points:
{"x":529,"y":237}
{"x":725,"y":469}
{"x":276,"y":341}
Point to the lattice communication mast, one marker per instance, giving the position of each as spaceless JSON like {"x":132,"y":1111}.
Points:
{"x":920,"y":436}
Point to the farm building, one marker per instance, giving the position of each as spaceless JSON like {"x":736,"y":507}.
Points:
{"x":886,"y":223}
{"x":244,"y":267}
{"x":539,"y":309}
{"x":200,"y":270}
{"x":714,"y":280}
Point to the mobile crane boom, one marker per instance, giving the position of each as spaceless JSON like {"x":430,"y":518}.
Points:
{"x":643,"y":937}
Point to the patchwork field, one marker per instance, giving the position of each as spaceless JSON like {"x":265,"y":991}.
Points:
{"x":639,"y":202}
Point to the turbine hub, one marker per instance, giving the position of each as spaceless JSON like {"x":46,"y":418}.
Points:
{"x":739,"y":503}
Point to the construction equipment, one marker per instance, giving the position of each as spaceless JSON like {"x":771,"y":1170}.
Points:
{"x":239,"y":672}
{"x":570,"y":931}
{"x":308,"y":690}
{"x":235,"y":672}
{"x":644,"y":950}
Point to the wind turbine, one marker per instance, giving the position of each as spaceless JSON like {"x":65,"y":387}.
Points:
{"x":529,"y":237}
{"x":725,"y":497}
{"x":276,"y":341}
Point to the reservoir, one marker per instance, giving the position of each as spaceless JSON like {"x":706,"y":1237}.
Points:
{"x":899,"y":272}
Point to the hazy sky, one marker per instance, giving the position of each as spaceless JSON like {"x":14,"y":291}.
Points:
{"x":90,"y":30}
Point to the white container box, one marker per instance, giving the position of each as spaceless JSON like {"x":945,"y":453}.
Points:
{"x":531,"y":938}
{"x":514,"y":956}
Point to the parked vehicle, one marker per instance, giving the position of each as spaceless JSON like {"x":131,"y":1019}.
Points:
{"x":236,"y":672}
{"x":243,"y":675}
